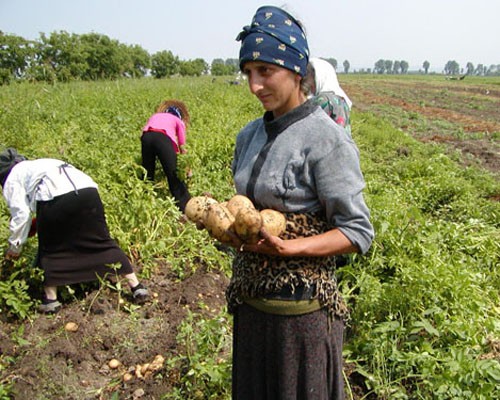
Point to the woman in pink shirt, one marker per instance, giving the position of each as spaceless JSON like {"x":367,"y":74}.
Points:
{"x":163,"y":137}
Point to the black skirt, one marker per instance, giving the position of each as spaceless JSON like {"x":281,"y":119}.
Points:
{"x":287,"y":357}
{"x":74,"y":244}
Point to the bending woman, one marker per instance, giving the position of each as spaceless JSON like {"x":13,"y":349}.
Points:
{"x":163,"y":137}
{"x":74,"y":244}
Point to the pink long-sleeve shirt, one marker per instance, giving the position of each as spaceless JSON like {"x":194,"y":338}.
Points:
{"x":169,"y":125}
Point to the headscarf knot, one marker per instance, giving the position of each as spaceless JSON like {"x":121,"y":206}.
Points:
{"x":244,"y":33}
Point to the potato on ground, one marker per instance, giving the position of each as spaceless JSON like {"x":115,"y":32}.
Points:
{"x":273,"y":221}
{"x":196,"y":207}
{"x":218,"y":220}
{"x":247,"y":224}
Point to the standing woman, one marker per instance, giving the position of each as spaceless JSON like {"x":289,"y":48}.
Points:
{"x":327,"y":93}
{"x":74,"y":244}
{"x":288,"y":312}
{"x":163,"y":137}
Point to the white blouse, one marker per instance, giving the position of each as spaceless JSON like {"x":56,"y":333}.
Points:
{"x":37,"y":180}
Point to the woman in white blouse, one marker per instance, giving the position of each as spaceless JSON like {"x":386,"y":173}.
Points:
{"x":74,"y":244}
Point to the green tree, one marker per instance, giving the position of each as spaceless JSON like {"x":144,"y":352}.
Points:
{"x":379,"y":67}
{"x":202,"y":66}
{"x":137,"y":61}
{"x":15,"y":54}
{"x":470,"y":68}
{"x":493,"y":69}
{"x":404,"y":66}
{"x":60,"y":56}
{"x":195,"y":67}
{"x":103,"y":56}
{"x":164,"y":63}
{"x":396,"y":67}
{"x":426,"y":65}
{"x":233,"y":65}
{"x":347,"y":65}
{"x":479,"y":69}
{"x":332,"y":61}
{"x":219,"y":67}
{"x":452,"y":68}
{"x":388,"y":66}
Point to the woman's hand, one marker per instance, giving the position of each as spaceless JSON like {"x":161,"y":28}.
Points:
{"x":12,"y":254}
{"x":331,"y":243}
{"x":271,"y":245}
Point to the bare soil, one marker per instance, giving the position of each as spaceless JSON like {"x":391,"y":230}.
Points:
{"x":48,"y":362}
{"x":52,"y":363}
{"x":471,"y":113}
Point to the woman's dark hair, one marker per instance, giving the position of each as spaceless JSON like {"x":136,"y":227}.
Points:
{"x":307,"y":83}
{"x":8,"y":159}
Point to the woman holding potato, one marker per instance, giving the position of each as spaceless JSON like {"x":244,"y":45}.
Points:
{"x":74,"y":244}
{"x":288,"y":312}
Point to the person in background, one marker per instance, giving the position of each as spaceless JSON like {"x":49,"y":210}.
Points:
{"x":288,"y":311}
{"x":163,"y":137}
{"x":323,"y":86}
{"x":74,"y":244}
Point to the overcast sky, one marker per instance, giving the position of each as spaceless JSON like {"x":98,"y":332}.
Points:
{"x":360,"y":31}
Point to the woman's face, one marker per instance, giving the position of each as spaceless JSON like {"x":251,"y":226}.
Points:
{"x":277,"y":88}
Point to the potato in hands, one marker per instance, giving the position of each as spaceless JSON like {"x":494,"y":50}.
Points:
{"x":236,"y":219}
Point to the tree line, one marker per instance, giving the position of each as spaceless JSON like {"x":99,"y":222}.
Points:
{"x":62,"y":56}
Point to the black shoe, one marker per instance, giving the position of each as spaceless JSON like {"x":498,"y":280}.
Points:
{"x":140,"y":294}
{"x":49,"y":306}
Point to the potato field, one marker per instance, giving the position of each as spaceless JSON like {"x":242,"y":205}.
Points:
{"x":424,"y":302}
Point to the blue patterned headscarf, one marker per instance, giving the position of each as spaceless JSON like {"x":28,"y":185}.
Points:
{"x":275,"y":37}
{"x":174,"y":111}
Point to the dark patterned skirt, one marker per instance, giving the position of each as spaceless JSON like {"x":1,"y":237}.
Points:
{"x":279,"y":357}
{"x":74,"y":244}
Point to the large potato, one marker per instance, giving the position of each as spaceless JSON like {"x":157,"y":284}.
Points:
{"x":237,"y":202}
{"x":247,"y":224}
{"x":273,"y":221}
{"x":218,"y":220}
{"x":196,"y":207}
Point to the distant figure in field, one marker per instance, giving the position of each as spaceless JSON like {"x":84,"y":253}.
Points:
{"x":324,"y":87}
{"x":74,"y":244}
{"x":163,"y":137}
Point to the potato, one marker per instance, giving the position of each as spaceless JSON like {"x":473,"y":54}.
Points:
{"x":273,"y":221}
{"x":114,"y":363}
{"x":196,"y":207}
{"x":217,"y":221}
{"x":237,"y":202}
{"x":71,"y":327}
{"x":247,"y":224}
{"x":127,"y":376}
{"x":145,"y":368}
{"x":157,"y":363}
